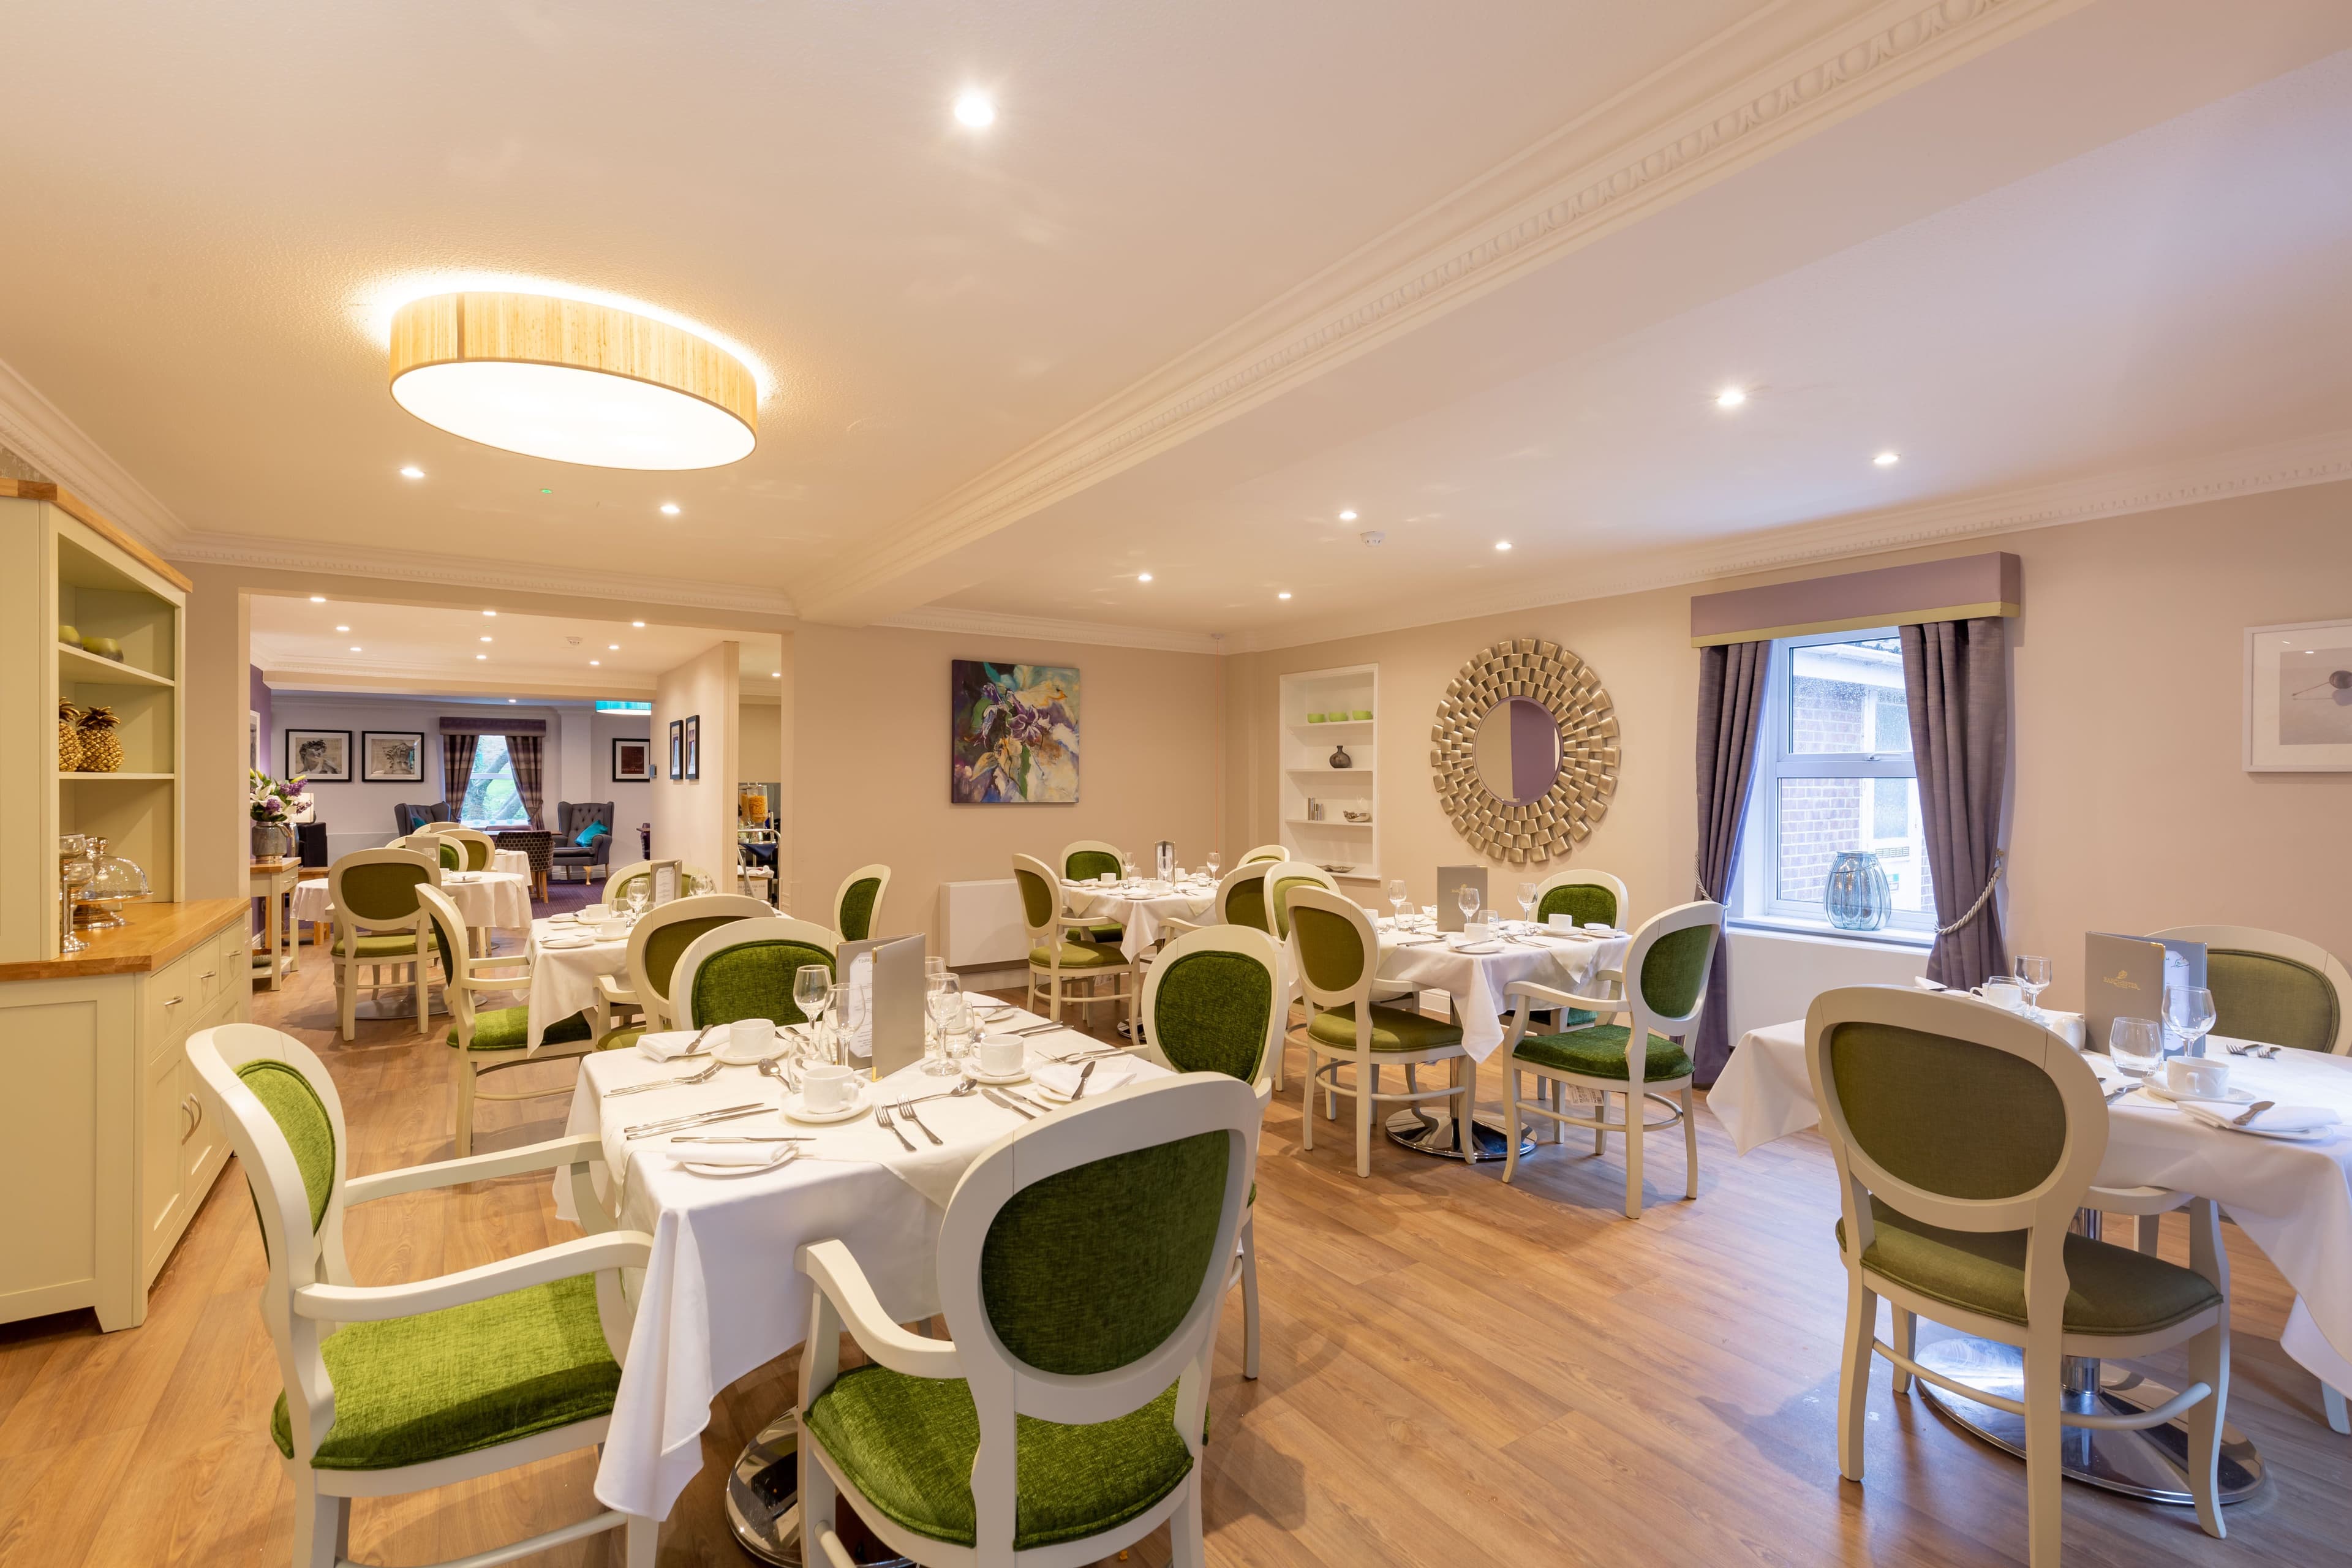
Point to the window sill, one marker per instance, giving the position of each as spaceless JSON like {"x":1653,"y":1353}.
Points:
{"x":1918,"y":941}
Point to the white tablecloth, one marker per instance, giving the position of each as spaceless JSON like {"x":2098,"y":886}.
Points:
{"x":1144,"y":914}
{"x":1475,"y":981}
{"x":513,"y":860}
{"x":563,"y":979}
{"x":499,"y":900}
{"x":720,"y":1296}
{"x":2294,"y":1200}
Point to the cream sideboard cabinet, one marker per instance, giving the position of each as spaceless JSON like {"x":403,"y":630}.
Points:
{"x":106,"y":1145}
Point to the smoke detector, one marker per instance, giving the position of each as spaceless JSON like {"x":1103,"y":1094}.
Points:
{"x":1372,"y":536}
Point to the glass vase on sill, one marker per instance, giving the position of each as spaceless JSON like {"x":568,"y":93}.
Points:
{"x":1857,"y":896}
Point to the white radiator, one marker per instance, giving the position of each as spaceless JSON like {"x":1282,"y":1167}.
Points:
{"x":982,"y":923}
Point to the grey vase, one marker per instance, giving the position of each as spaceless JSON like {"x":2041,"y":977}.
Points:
{"x":1341,"y":758}
{"x":272,"y":841}
{"x":1858,"y":897}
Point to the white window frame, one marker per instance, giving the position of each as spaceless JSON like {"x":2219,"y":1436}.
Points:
{"x":1756,"y":900}
{"x":505,"y":752}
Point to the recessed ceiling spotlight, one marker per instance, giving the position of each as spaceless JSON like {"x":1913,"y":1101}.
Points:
{"x":1888,"y":460}
{"x":317,"y":598}
{"x":1284,"y":594}
{"x":481,"y":656}
{"x":775,"y":675}
{"x":612,"y":647}
{"x":1143,"y":576}
{"x":491,"y":612}
{"x":509,"y":702}
{"x":355,"y":647}
{"x":670,"y":509}
{"x":596,"y":661}
{"x":1730,"y":397}
{"x":974,"y":109}
{"x":640,"y":625}
{"x":1502,"y":544}
{"x":1348,"y":515}
{"x":342,"y":628}
{"x":485,"y":639}
{"x":411,"y":473}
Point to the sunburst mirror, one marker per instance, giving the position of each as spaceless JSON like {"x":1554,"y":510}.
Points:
{"x":1524,"y":752}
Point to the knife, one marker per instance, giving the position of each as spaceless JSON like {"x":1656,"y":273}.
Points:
{"x":646,"y":1128}
{"x":996,"y":1099}
{"x":1084,"y":1073}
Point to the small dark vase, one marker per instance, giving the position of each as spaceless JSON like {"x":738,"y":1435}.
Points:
{"x":1341,"y":758}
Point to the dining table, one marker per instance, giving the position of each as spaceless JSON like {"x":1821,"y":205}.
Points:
{"x":485,"y":900}
{"x":2291,"y":1196}
{"x":720,"y":1295}
{"x":567,"y":958}
{"x":1142,"y":907}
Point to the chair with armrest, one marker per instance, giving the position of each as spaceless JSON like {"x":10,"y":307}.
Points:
{"x":571,"y":819}
{"x":476,"y":845}
{"x":1057,"y":963}
{"x":1966,"y":1139}
{"x":857,"y":902}
{"x":1586,"y":898}
{"x":745,"y":969}
{"x":490,"y":1040}
{"x":1266,"y":852}
{"x":1280,"y":877}
{"x":1085,"y":859}
{"x":379,"y":924}
{"x":1062,"y":1420}
{"x":658,"y":940}
{"x":399,"y":1388}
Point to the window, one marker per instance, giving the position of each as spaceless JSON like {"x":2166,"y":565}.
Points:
{"x":1834,"y":772}
{"x":491,"y":798}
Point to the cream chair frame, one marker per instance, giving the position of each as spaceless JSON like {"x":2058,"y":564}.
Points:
{"x":1132,"y":1117}
{"x":1076,"y":845}
{"x":1364,"y":1088}
{"x":309,"y":1292}
{"x":1245,"y":942}
{"x":2046,"y":1212}
{"x":1634,"y":1088}
{"x":1217,"y":913}
{"x":1581,"y":879}
{"x":347,"y":963}
{"x":470,"y":837}
{"x":874,"y":919}
{"x":1382,"y":990}
{"x":471,"y":974}
{"x":771,"y":927}
{"x":1051,"y":938}
{"x":1266,"y":852}
{"x":653,"y":1004}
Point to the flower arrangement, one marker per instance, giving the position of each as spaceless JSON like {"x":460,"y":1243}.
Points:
{"x":275,"y":802}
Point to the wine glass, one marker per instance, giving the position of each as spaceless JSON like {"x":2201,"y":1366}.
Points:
{"x":1469,"y":898}
{"x":1213,"y":863}
{"x":813,"y":991}
{"x":1398,"y":898}
{"x":943,"y":1000}
{"x":636,"y":901}
{"x":1127,"y":865}
{"x":1527,"y":902}
{"x":2032,"y":977}
{"x":2134,"y":1045}
{"x":2189,"y":1013}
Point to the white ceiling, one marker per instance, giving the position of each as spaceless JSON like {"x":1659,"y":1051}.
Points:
{"x":1216,"y":272}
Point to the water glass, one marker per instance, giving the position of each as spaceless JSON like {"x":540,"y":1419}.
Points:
{"x":812,"y":990}
{"x":2188,"y":1014}
{"x":1469,"y":898}
{"x":1429,"y":917}
{"x":944,"y":1003}
{"x":1527,"y":902}
{"x":2033,"y":978}
{"x":636,"y":902}
{"x":1399,"y":896}
{"x":2136,"y":1046}
{"x":1213,"y":863}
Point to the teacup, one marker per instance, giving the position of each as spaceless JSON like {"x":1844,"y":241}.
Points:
{"x":749,"y":1039}
{"x":2197,"y":1077}
{"x":2001,"y":993}
{"x":829,"y":1086}
{"x":611,"y":931}
{"x":1477,"y":930}
{"x":1107,"y":880}
{"x":1560,"y":923}
{"x":1000,"y":1056}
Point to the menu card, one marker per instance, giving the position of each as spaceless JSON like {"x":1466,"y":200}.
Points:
{"x":1450,"y":882}
{"x":2126,"y":977}
{"x":894,"y":1004}
{"x":664,"y":880}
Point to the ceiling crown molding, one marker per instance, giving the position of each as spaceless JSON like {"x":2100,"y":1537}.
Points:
{"x":533,"y":577}
{"x":1040,"y":628}
{"x":1746,"y":93}
{"x":2286,"y":465}
{"x":38,"y":431}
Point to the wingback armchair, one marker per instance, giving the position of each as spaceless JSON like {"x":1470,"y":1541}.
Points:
{"x":571,"y":818}
{"x":409,"y":818}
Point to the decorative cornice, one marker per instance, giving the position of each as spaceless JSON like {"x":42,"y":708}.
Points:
{"x":1592,"y":178}
{"x":1095,"y":634}
{"x":38,"y":431}
{"x":507,"y":574}
{"x":2288,"y":465}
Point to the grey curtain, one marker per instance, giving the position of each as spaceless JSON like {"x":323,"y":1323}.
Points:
{"x":1730,"y":709}
{"x":1956,"y":673}
{"x":524,"y":750}
{"x":456,"y":770}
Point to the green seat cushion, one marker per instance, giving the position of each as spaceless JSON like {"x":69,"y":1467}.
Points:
{"x":410,"y":1390}
{"x":509,"y":1030}
{"x":1080,"y":955}
{"x":2261,"y":996}
{"x":2110,"y":1290}
{"x":392,"y":944}
{"x":907,"y":1444}
{"x":622,"y":1039}
{"x":1108,"y":932}
{"x":1598,"y":1050}
{"x":1394,"y":1029}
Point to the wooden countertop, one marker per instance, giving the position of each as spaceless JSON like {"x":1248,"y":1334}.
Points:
{"x":157,"y":935}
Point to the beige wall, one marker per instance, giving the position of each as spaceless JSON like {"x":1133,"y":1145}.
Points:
{"x":2131,"y":807}
{"x":760,"y":752}
{"x":694,"y":819}
{"x":870,"y":767}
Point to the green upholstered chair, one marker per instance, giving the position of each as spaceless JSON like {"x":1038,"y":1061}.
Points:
{"x":659,"y":940}
{"x":1659,"y":993}
{"x":1584,"y":896}
{"x":474,"y":845}
{"x":744,"y":969}
{"x":379,"y":923}
{"x":399,"y":1388}
{"x":1241,"y":897}
{"x":1082,"y":1263}
{"x":490,"y":1040}
{"x":1337,"y":955}
{"x":1965,"y":1138}
{"x":1057,"y":962}
{"x":431,"y":842}
{"x":857,"y":903}
{"x":2270,"y":986}
{"x":1266,"y":852}
{"x":1085,"y":859}
{"x":1209,"y":1005}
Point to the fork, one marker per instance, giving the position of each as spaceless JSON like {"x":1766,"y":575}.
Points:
{"x":704,"y":1076}
{"x":907,"y":1108}
{"x":882,"y":1120}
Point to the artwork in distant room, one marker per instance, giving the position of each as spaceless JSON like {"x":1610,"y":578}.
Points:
{"x":633,"y":759}
{"x":392,"y":756}
{"x":2299,"y":698}
{"x":1013,"y":734}
{"x":678,"y":747}
{"x":322,"y":756}
{"x":694,"y":746}
{"x":253,"y":739}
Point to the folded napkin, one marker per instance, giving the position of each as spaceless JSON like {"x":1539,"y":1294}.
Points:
{"x":668,"y":1045}
{"x":1061,"y":1078}
{"x":2277,"y":1119}
{"x":728,"y":1153}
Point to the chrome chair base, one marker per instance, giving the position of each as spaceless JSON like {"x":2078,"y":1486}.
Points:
{"x":763,"y":1503}
{"x":1435,"y":1133}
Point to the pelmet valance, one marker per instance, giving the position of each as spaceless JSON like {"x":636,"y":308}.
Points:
{"x":1960,"y":588}
{"x":494,"y":726}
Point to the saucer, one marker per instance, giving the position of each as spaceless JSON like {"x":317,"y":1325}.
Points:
{"x":567,"y":943}
{"x":792,"y":1151}
{"x":723,"y":1050}
{"x":973,"y":1072}
{"x":794,"y":1111}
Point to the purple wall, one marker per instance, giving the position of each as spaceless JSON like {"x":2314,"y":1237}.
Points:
{"x":257,"y":699}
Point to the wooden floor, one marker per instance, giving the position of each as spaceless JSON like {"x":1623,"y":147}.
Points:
{"x":1454,"y":1371}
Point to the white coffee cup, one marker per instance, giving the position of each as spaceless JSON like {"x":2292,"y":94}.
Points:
{"x":829,"y":1086}
{"x":2001,"y":992}
{"x":1000,"y":1056}
{"x":1560,"y":923}
{"x":1477,"y":930}
{"x":749,"y":1039}
{"x":2197,"y":1077}
{"x":611,"y":931}
{"x":1107,"y":880}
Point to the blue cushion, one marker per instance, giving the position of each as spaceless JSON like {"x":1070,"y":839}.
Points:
{"x":589,"y":835}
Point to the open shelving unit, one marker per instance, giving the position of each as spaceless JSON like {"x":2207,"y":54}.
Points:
{"x":1308,"y":775}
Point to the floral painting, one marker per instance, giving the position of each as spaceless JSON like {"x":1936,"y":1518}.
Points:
{"x":1013,"y":734}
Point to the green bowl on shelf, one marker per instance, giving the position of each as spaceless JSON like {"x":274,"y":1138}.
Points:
{"x":1315,"y":717}
{"x":69,"y":636}
{"x":1361,"y":713}
{"x":105,"y":648}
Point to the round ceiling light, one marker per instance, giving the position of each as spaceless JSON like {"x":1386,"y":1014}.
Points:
{"x":570,"y":381}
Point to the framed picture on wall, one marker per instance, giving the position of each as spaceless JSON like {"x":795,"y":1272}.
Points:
{"x":678,"y":747}
{"x":2299,"y":698}
{"x":253,"y":739}
{"x":1013,"y":734}
{"x":694,"y":746}
{"x":392,"y":756}
{"x":322,"y":756}
{"x":633,"y":759}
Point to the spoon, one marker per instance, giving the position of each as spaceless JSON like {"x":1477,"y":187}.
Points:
{"x":2256,"y":1108}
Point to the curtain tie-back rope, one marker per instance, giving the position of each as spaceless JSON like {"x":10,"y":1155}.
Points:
{"x":2000,"y":862}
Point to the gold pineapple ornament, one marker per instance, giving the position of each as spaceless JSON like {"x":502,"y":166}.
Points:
{"x":68,"y":738}
{"x":101,"y":748}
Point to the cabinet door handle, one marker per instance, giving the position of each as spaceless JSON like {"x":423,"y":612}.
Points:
{"x":188,"y":1116}
{"x":208,"y":973}
{"x":196,"y":1114}
{"x":170,"y":1001}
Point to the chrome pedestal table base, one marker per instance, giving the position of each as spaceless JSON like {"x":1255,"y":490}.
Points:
{"x":1439,"y":1134}
{"x":763,"y":1504}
